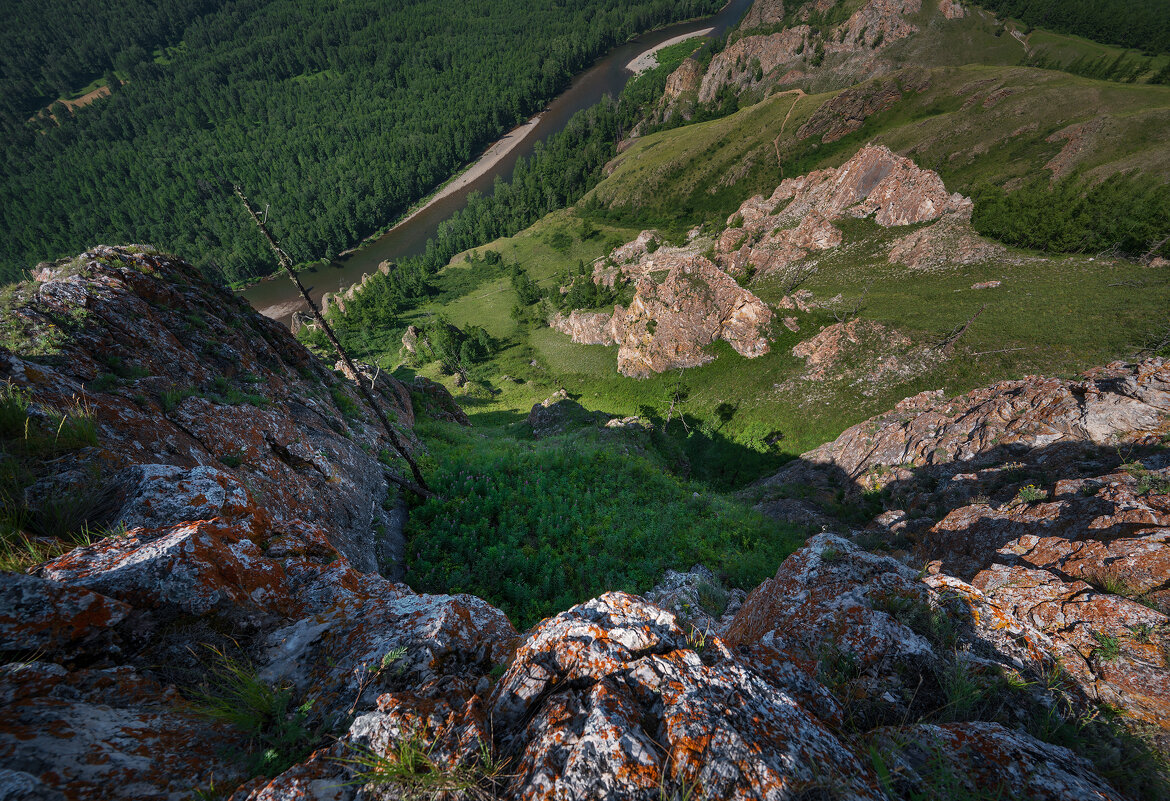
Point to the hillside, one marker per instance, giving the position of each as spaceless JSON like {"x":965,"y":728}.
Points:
{"x":338,"y":115}
{"x":807,"y":437}
{"x":198,"y":623}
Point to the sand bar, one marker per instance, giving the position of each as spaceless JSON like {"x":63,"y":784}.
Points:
{"x":648,"y":60}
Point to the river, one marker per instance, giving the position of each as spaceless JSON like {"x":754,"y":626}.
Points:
{"x":276,"y":297}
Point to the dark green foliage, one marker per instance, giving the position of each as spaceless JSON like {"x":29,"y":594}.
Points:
{"x":526,"y":289}
{"x":339,"y":114}
{"x":535,"y":528}
{"x":1141,"y":24}
{"x":1126,"y":213}
{"x":59,"y":518}
{"x":557,"y":174}
{"x":49,"y":48}
{"x":454,"y":348}
{"x":344,"y":402}
{"x":280,"y":732}
{"x":1121,"y":69}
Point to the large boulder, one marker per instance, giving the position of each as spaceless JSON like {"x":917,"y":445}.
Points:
{"x":177,"y":372}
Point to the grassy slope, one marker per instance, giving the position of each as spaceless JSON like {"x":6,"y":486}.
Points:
{"x":1053,"y":315}
{"x":683,"y":174}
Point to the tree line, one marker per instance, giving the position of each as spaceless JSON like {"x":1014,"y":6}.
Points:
{"x":1140,"y":24}
{"x":557,"y":174}
{"x":342,"y":114}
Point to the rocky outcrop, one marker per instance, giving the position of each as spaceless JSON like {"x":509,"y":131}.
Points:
{"x":685,"y":79}
{"x":846,"y":112}
{"x":951,"y":10}
{"x":302,"y":614}
{"x":948,"y":242}
{"x":766,"y":235}
{"x":683,"y":301}
{"x":558,"y":413}
{"x":874,"y":182}
{"x":1019,"y":503}
{"x":179,"y":375}
{"x":762,"y":13}
{"x":673,"y":317}
{"x":860,"y":349}
{"x":585,"y":328}
{"x":852,"y":51}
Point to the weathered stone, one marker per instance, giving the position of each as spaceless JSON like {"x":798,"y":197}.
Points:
{"x":987,"y":758}
{"x":108,"y":734}
{"x":201,"y":380}
{"x":45,"y":617}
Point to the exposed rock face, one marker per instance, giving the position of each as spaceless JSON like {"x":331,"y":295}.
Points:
{"x":768,"y":234}
{"x":1037,"y":521}
{"x":852,"y":49}
{"x":669,"y":323}
{"x":309,"y":619}
{"x":736,"y":64}
{"x":697,"y":598}
{"x":586,"y":328}
{"x":674,"y":317}
{"x":763,"y":12}
{"x":686,"y":78}
{"x":951,"y":10}
{"x":844,"y":345}
{"x":845,"y":113}
{"x":875,"y":181}
{"x":179,"y":373}
{"x":950,"y":241}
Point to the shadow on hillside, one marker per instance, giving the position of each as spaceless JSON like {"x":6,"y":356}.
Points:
{"x":929,"y":493}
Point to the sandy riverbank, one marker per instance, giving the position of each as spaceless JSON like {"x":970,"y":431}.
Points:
{"x":647,"y":61}
{"x":490,"y":158}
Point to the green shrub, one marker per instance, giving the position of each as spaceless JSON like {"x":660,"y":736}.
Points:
{"x":536,"y":528}
{"x":345,"y":403}
{"x":279,"y":730}
{"x":1126,"y":212}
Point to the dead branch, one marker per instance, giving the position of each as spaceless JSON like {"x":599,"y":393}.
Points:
{"x":420,"y":485}
{"x":854,"y":310}
{"x":949,"y":341}
{"x":1149,"y":256}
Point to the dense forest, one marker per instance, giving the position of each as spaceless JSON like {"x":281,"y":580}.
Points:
{"x":557,"y":174}
{"x":338,"y":114}
{"x":1141,"y":24}
{"x":51,"y":47}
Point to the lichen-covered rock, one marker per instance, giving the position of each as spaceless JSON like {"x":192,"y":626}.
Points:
{"x":1094,"y":635}
{"x":1117,"y":404}
{"x":46,"y":617}
{"x":384,"y":639}
{"x":106,"y":734}
{"x":986,"y":758}
{"x":698,"y":599}
{"x":175,"y":371}
{"x":610,"y":699}
{"x":825,"y":595}
{"x":1058,"y":555}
